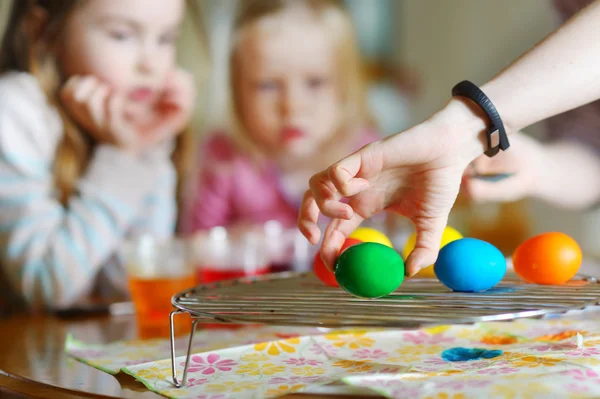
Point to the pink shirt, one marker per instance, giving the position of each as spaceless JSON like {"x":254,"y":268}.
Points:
{"x":231,"y":189}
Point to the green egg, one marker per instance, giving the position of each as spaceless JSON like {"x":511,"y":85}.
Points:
{"x":369,"y":270}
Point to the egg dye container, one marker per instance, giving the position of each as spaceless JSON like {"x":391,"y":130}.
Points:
{"x":470,"y":265}
{"x":369,"y":270}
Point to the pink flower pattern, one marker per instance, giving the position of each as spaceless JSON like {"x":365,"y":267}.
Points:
{"x":370,"y":354}
{"x":498,"y":371}
{"x":554,"y":347}
{"x":421,"y":337}
{"x":327,"y":350}
{"x":577,"y":388}
{"x":473,"y":365}
{"x":405,"y":392}
{"x":583,"y":375}
{"x":460,"y":385}
{"x":302,"y":362}
{"x":437,"y":361}
{"x":584,"y":352}
{"x":210,"y":365}
{"x":192,"y":382}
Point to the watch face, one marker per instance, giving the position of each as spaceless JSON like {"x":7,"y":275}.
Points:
{"x":494,"y":138}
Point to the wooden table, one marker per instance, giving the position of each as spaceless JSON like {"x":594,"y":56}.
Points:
{"x":33,"y":362}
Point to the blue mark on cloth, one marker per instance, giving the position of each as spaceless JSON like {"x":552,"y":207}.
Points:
{"x":466,"y":354}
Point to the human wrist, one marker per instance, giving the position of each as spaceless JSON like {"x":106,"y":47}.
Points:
{"x":466,"y":122}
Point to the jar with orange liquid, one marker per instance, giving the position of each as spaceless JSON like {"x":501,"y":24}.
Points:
{"x":157,"y":270}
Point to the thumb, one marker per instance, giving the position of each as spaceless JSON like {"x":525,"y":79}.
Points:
{"x":427,"y":246}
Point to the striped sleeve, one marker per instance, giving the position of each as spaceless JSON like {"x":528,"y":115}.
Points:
{"x":51,"y":253}
{"x":158,"y":215}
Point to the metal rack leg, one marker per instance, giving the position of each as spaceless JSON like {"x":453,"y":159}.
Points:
{"x":181,"y":383}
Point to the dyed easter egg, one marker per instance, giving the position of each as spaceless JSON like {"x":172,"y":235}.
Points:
{"x":368,"y":234}
{"x":369,"y":270}
{"x":321,"y":270}
{"x":470,"y":265}
{"x":448,"y":236}
{"x":549,"y":258}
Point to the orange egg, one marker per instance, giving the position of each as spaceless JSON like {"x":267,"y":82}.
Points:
{"x":549,"y":258}
{"x":323,"y":272}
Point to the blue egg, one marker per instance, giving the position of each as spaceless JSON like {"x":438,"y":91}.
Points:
{"x":470,"y":265}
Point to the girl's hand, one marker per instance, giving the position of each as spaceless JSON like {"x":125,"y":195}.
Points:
{"x":99,"y":110}
{"x":526,"y":163}
{"x":563,"y":173}
{"x":416,"y":173}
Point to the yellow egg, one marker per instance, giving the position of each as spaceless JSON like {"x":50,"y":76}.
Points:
{"x":368,"y":234}
{"x":448,"y":236}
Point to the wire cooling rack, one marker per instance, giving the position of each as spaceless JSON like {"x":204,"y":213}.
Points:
{"x":301,"y":299}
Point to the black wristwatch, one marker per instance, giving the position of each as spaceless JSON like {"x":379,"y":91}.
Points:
{"x":496,"y":134}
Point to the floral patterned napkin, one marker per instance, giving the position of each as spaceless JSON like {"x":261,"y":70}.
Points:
{"x":557,"y":358}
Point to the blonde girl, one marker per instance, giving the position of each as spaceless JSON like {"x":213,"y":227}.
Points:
{"x":92,"y":107}
{"x":298,"y":104}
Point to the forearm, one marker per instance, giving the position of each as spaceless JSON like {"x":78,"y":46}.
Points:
{"x":559,"y":74}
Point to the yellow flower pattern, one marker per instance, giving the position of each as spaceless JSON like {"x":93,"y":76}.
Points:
{"x":276,"y":347}
{"x":284,"y":389}
{"x":354,"y":366}
{"x":413,"y":353}
{"x":255,"y":357}
{"x":591,"y":342}
{"x":444,"y":373}
{"x":232,"y":386}
{"x":308,"y":371}
{"x":352,"y":340}
{"x":259,"y":369}
{"x":154,"y":373}
{"x":468,"y":333}
{"x":176,"y":392}
{"x":437,"y":330}
{"x":511,"y":356}
{"x":587,"y":361}
{"x":535,"y":361}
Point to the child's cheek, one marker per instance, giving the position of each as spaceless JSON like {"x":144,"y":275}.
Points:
{"x":111,"y":64}
{"x":113,"y":75}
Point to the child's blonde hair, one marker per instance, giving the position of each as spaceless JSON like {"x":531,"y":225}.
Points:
{"x":340,"y":27}
{"x":26,"y":50}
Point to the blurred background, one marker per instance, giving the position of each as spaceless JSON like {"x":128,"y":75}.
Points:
{"x":414,"y":52}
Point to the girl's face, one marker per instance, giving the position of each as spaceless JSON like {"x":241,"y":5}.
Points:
{"x":285,"y":85}
{"x":127,"y":44}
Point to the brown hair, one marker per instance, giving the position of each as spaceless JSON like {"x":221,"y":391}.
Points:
{"x":25,"y":51}
{"x":335,"y":18}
